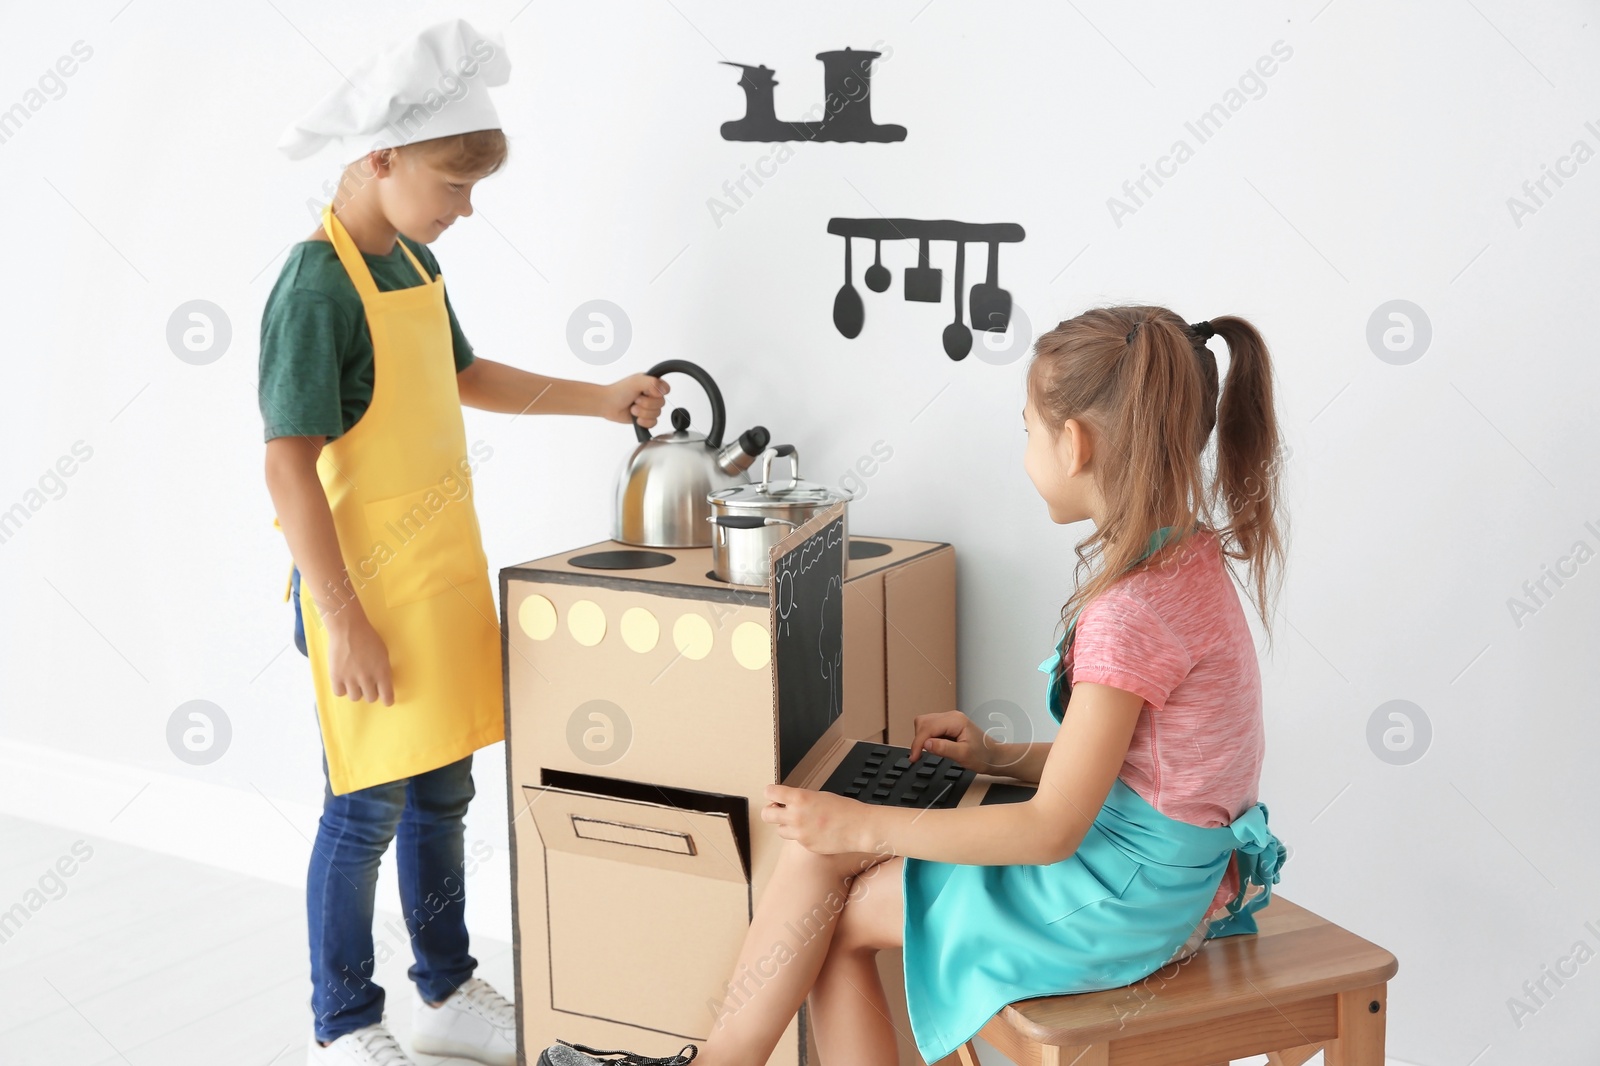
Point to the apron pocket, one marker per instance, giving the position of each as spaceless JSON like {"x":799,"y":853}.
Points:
{"x":1097,"y":871}
{"x":424,"y":543}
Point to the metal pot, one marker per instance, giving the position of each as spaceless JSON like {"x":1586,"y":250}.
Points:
{"x":750,"y":520}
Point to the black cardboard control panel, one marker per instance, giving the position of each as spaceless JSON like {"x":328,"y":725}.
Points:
{"x":884,"y":774}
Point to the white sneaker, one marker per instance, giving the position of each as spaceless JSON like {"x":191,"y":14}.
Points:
{"x":372,"y":1045}
{"x":476,"y":1023}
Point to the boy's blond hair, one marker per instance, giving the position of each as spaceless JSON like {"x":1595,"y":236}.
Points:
{"x":479,"y":153}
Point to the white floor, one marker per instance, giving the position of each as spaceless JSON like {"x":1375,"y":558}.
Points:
{"x":149,"y":960}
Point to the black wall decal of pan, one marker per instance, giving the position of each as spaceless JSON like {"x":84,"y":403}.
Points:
{"x":844,"y":115}
{"x":990,"y":307}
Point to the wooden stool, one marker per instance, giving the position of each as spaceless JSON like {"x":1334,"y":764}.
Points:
{"x":1300,"y":985}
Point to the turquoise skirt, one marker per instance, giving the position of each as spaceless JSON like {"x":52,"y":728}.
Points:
{"x":1112,"y":913}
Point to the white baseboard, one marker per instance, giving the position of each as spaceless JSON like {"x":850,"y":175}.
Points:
{"x":240,"y":830}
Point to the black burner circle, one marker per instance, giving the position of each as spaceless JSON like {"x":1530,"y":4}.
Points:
{"x":868,"y":549}
{"x":622,"y":560}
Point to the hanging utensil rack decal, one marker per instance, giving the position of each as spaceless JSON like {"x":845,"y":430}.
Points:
{"x":990,"y":306}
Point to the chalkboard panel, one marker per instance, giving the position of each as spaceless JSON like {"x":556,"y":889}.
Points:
{"x":806,"y":586}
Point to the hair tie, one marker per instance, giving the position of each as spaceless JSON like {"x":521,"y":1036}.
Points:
{"x":1129,"y":338}
{"x":1205,"y":329}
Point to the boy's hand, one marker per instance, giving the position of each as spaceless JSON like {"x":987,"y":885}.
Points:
{"x":358,"y":662}
{"x":635,"y":396}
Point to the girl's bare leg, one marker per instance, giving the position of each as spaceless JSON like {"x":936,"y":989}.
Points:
{"x":782,"y":953}
{"x":849,"y":1009}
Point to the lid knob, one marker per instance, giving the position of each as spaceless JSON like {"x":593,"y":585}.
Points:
{"x":680,"y":419}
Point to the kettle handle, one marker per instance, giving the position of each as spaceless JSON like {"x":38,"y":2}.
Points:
{"x":718,"y":412}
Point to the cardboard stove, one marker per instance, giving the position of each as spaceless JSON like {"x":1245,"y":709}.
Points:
{"x":648,"y":704}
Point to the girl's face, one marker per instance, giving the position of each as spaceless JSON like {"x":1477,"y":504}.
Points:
{"x":419,"y":199}
{"x":1058,"y":466}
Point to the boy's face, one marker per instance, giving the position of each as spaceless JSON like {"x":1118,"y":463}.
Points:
{"x":420,"y":199}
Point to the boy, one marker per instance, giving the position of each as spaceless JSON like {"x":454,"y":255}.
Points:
{"x":363,"y":373}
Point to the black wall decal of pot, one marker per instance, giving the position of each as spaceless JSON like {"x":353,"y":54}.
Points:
{"x":990,"y":304}
{"x":846,"y":109}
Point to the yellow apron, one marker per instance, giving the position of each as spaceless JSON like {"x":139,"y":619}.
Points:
{"x":400,"y":488}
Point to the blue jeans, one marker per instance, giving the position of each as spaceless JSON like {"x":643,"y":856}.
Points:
{"x":299,"y":623}
{"x":423,"y":815}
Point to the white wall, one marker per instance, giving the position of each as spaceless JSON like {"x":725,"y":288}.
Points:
{"x":1375,"y":165}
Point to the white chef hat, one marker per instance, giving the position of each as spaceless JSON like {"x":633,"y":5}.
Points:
{"x":435,"y":84}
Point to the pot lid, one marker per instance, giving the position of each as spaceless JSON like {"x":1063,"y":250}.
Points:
{"x":781,"y":492}
{"x":792,"y":491}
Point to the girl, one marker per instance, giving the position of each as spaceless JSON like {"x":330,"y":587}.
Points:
{"x":1145,"y":833}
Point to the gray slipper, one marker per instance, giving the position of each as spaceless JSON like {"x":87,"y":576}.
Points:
{"x":566,"y":1053}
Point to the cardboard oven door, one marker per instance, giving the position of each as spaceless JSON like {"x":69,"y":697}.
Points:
{"x":648,"y":905}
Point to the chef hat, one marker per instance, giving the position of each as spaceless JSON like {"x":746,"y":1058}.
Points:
{"x":435,"y":84}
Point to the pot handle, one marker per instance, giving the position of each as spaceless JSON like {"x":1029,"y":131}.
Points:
{"x":747,"y":521}
{"x":774,"y":452}
{"x":719,"y":413}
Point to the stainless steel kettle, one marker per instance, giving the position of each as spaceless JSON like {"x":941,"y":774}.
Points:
{"x":662,"y":492}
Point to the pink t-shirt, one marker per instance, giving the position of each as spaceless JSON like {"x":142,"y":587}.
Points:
{"x":1176,"y":635}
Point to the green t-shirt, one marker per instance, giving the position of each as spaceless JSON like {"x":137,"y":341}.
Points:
{"x":315,"y":377}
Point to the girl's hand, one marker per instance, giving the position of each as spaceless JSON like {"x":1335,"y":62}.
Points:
{"x":635,"y":396}
{"x":955,"y":736}
{"x":823,"y":822}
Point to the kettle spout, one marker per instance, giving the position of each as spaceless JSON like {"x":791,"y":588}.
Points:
{"x":736,"y":456}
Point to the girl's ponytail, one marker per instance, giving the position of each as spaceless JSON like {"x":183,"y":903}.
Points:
{"x":1247,"y":490}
